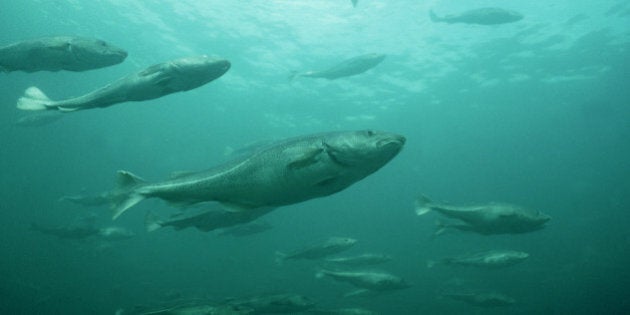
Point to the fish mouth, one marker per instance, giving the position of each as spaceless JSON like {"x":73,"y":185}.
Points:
{"x":394,"y":141}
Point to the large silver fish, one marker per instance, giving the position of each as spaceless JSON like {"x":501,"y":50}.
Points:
{"x":491,"y":218}
{"x":482,"y":16}
{"x":59,"y":53}
{"x":288,"y":172}
{"x":360,"y":260}
{"x":493,"y":259}
{"x":156,"y":81}
{"x":346,"y":68}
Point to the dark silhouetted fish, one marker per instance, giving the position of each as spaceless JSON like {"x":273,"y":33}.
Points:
{"x":156,"y":81}
{"x":288,"y":172}
{"x":59,"y":53}
{"x":346,"y":68}
{"x":275,"y":304}
{"x":482,"y":16}
{"x":204,"y":220}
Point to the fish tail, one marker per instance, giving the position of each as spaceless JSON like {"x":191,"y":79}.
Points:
{"x":422,"y":205}
{"x":34,"y":99}
{"x":440,"y":228}
{"x":126,"y":194}
{"x":434,"y":17}
{"x":152,"y":222}
{"x":293,"y":74}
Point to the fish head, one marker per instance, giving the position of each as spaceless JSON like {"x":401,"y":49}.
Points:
{"x":191,"y":72}
{"x":366,"y":149}
{"x":95,"y":52}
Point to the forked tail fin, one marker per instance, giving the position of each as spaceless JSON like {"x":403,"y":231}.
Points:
{"x":34,"y":99}
{"x":126,"y":194}
{"x":434,"y":17}
{"x":152,"y":222}
{"x":422,"y":205}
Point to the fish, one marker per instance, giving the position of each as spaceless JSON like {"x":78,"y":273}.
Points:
{"x":246,"y":229}
{"x":197,"y":309}
{"x":493,"y":259}
{"x":481,"y":16}
{"x":75,"y":232}
{"x":486,"y":219}
{"x":360,"y":260}
{"x":68,"y":53}
{"x":483,"y":299}
{"x":346,"y":68}
{"x":367,"y":280}
{"x":354,"y":3}
{"x":341,"y":311}
{"x":287,"y":303}
{"x":204,"y":220}
{"x":102,"y":199}
{"x":332,"y":245}
{"x":153,"y":82}
{"x":288,"y":172}
{"x":38,"y":119}
{"x":115,"y":233}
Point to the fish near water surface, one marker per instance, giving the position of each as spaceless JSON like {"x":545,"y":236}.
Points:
{"x":291,"y":171}
{"x":153,"y":82}
{"x":346,"y":68}
{"x":486,"y":219}
{"x":59,"y":53}
{"x":481,"y":16}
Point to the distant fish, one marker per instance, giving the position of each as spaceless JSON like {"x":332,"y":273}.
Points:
{"x":346,"y":68}
{"x":341,"y":311}
{"x":332,"y":245}
{"x":486,"y":219}
{"x":482,"y":16}
{"x":76,"y":232}
{"x":288,"y":172}
{"x":115,"y":233}
{"x":156,"y":81}
{"x":287,"y":303}
{"x":38,"y":119}
{"x":354,"y":3}
{"x":204,"y":220}
{"x":483,"y":299}
{"x":493,"y":259}
{"x":246,"y":229}
{"x":367,"y":280}
{"x":360,"y":260}
{"x":59,"y":53}
{"x":88,"y":200}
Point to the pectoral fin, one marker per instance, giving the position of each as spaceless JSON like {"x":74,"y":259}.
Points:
{"x":305,"y":159}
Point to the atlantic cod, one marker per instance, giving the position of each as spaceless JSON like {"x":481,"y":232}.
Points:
{"x":59,"y":53}
{"x":162,"y":79}
{"x":288,"y":172}
{"x":346,"y":68}
{"x":486,"y":219}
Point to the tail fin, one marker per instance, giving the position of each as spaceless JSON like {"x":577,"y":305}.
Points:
{"x":422,"y":205}
{"x":34,"y":99}
{"x":434,"y":17}
{"x":152,"y":222}
{"x":125,"y":194}
{"x":293,"y":74}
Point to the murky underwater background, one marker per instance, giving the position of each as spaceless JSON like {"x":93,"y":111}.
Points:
{"x":534,"y":113}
